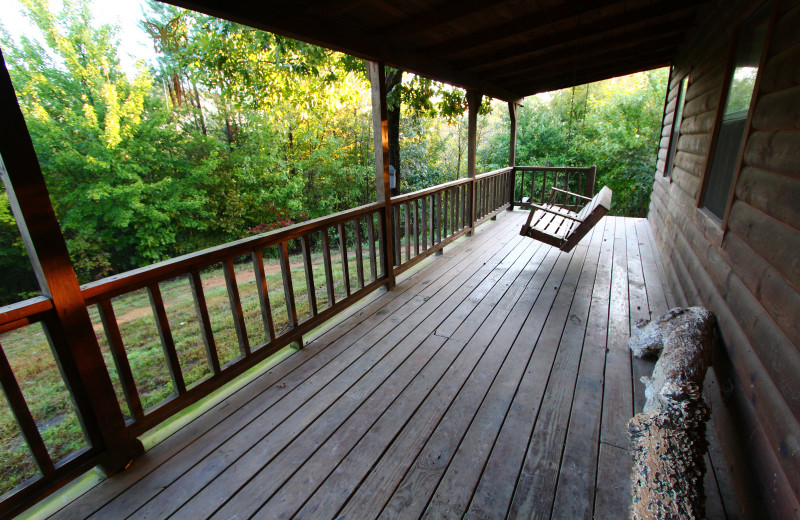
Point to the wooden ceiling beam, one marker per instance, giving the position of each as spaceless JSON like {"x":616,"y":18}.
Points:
{"x":656,"y":16}
{"x":556,"y":57}
{"x":524,"y":24}
{"x":444,"y":14}
{"x":284,"y":19}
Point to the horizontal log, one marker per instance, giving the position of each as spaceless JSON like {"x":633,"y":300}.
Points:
{"x":749,"y":267}
{"x":692,"y":164}
{"x":782,"y":70}
{"x":776,"y":242}
{"x":695,"y":143}
{"x":781,"y":301}
{"x":778,"y":111}
{"x":773,"y":193}
{"x":785,"y":33}
{"x":699,"y":124}
{"x":703,"y":103}
{"x":776,"y":151}
{"x":705,"y":78}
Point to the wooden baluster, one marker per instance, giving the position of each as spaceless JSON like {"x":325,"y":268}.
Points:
{"x":445,"y":213}
{"x":415,"y":205}
{"x":115,"y":344}
{"x":288,"y":288}
{"x":407,"y":229}
{"x":23,"y":416}
{"x":397,"y":239}
{"x":236,"y":308}
{"x":359,"y":253}
{"x":167,"y":342}
{"x":435,"y":212}
{"x":326,"y":260}
{"x":453,"y":209}
{"x":343,"y":254}
{"x":305,"y":245}
{"x":263,"y":294}
{"x":424,"y":223}
{"x":373,"y":266}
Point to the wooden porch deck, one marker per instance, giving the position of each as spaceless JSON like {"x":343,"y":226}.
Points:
{"x":495,"y":382}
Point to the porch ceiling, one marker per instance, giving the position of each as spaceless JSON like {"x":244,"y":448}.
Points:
{"x":507,"y":49}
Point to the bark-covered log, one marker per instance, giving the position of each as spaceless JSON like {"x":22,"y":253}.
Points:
{"x":669,"y":440}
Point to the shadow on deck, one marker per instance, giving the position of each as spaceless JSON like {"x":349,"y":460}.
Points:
{"x":496,"y":382}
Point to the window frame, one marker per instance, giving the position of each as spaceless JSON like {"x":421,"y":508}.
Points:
{"x":722,"y":223}
{"x":675,"y":127}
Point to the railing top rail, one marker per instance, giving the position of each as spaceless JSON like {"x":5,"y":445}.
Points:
{"x":492,"y":173}
{"x":427,"y":191}
{"x":554,"y":168}
{"x":143,"y":276}
{"x":24,"y":309}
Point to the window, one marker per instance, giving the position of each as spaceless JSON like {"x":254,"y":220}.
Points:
{"x":734,"y":117}
{"x":676,"y":127}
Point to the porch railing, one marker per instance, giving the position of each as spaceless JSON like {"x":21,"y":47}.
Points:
{"x":532,"y":183}
{"x":351,"y":263}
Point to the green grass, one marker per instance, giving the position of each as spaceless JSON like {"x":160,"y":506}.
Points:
{"x":49,"y":400}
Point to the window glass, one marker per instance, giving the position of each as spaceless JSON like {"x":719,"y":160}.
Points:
{"x":734,"y":117}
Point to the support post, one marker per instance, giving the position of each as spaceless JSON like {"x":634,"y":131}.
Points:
{"x":380,"y":123}
{"x":512,"y":149}
{"x":72,"y":336}
{"x":473,"y":103}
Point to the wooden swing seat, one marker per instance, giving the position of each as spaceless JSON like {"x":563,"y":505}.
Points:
{"x":558,"y":226}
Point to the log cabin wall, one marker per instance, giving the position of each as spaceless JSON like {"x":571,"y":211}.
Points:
{"x":745,"y":268}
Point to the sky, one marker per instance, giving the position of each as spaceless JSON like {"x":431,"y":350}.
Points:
{"x":134,"y":43}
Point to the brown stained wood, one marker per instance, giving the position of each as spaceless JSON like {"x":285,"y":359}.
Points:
{"x":288,"y":288}
{"x":407,"y":230}
{"x":167,"y":343}
{"x":117,"y":348}
{"x":326,"y":260}
{"x":446,"y":227}
{"x":305,"y":246}
{"x":336,"y":450}
{"x":25,"y":420}
{"x":271,"y":431}
{"x":359,"y":252}
{"x":539,"y":474}
{"x":415,"y":208}
{"x":373,"y":265}
{"x":473,"y":105}
{"x":639,"y":310}
{"x":398,"y":245}
{"x":236,"y":308}
{"x":424,"y":223}
{"x":344,"y":257}
{"x":574,"y":497}
{"x":263,"y":298}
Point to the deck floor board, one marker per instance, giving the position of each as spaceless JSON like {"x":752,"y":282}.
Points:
{"x":493,"y":383}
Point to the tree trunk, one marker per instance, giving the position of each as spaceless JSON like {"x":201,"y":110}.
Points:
{"x":669,"y":436}
{"x":394,"y":79}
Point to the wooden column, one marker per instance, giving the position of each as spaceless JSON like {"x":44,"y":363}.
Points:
{"x":380,"y":123}
{"x":474,"y":103}
{"x":512,"y":148}
{"x":72,"y":337}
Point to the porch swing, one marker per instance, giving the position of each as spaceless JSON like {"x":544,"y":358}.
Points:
{"x":560,"y":227}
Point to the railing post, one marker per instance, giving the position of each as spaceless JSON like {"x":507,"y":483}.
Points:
{"x":512,"y":149}
{"x":73,"y":340}
{"x":380,"y":123}
{"x":590,"y":180}
{"x":473,"y":103}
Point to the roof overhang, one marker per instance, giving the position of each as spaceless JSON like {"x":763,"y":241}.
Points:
{"x":506,"y":49}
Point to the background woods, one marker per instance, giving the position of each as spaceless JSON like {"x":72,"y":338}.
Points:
{"x":232,"y":131}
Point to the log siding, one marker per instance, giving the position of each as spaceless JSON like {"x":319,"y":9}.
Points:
{"x":748,"y":270}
